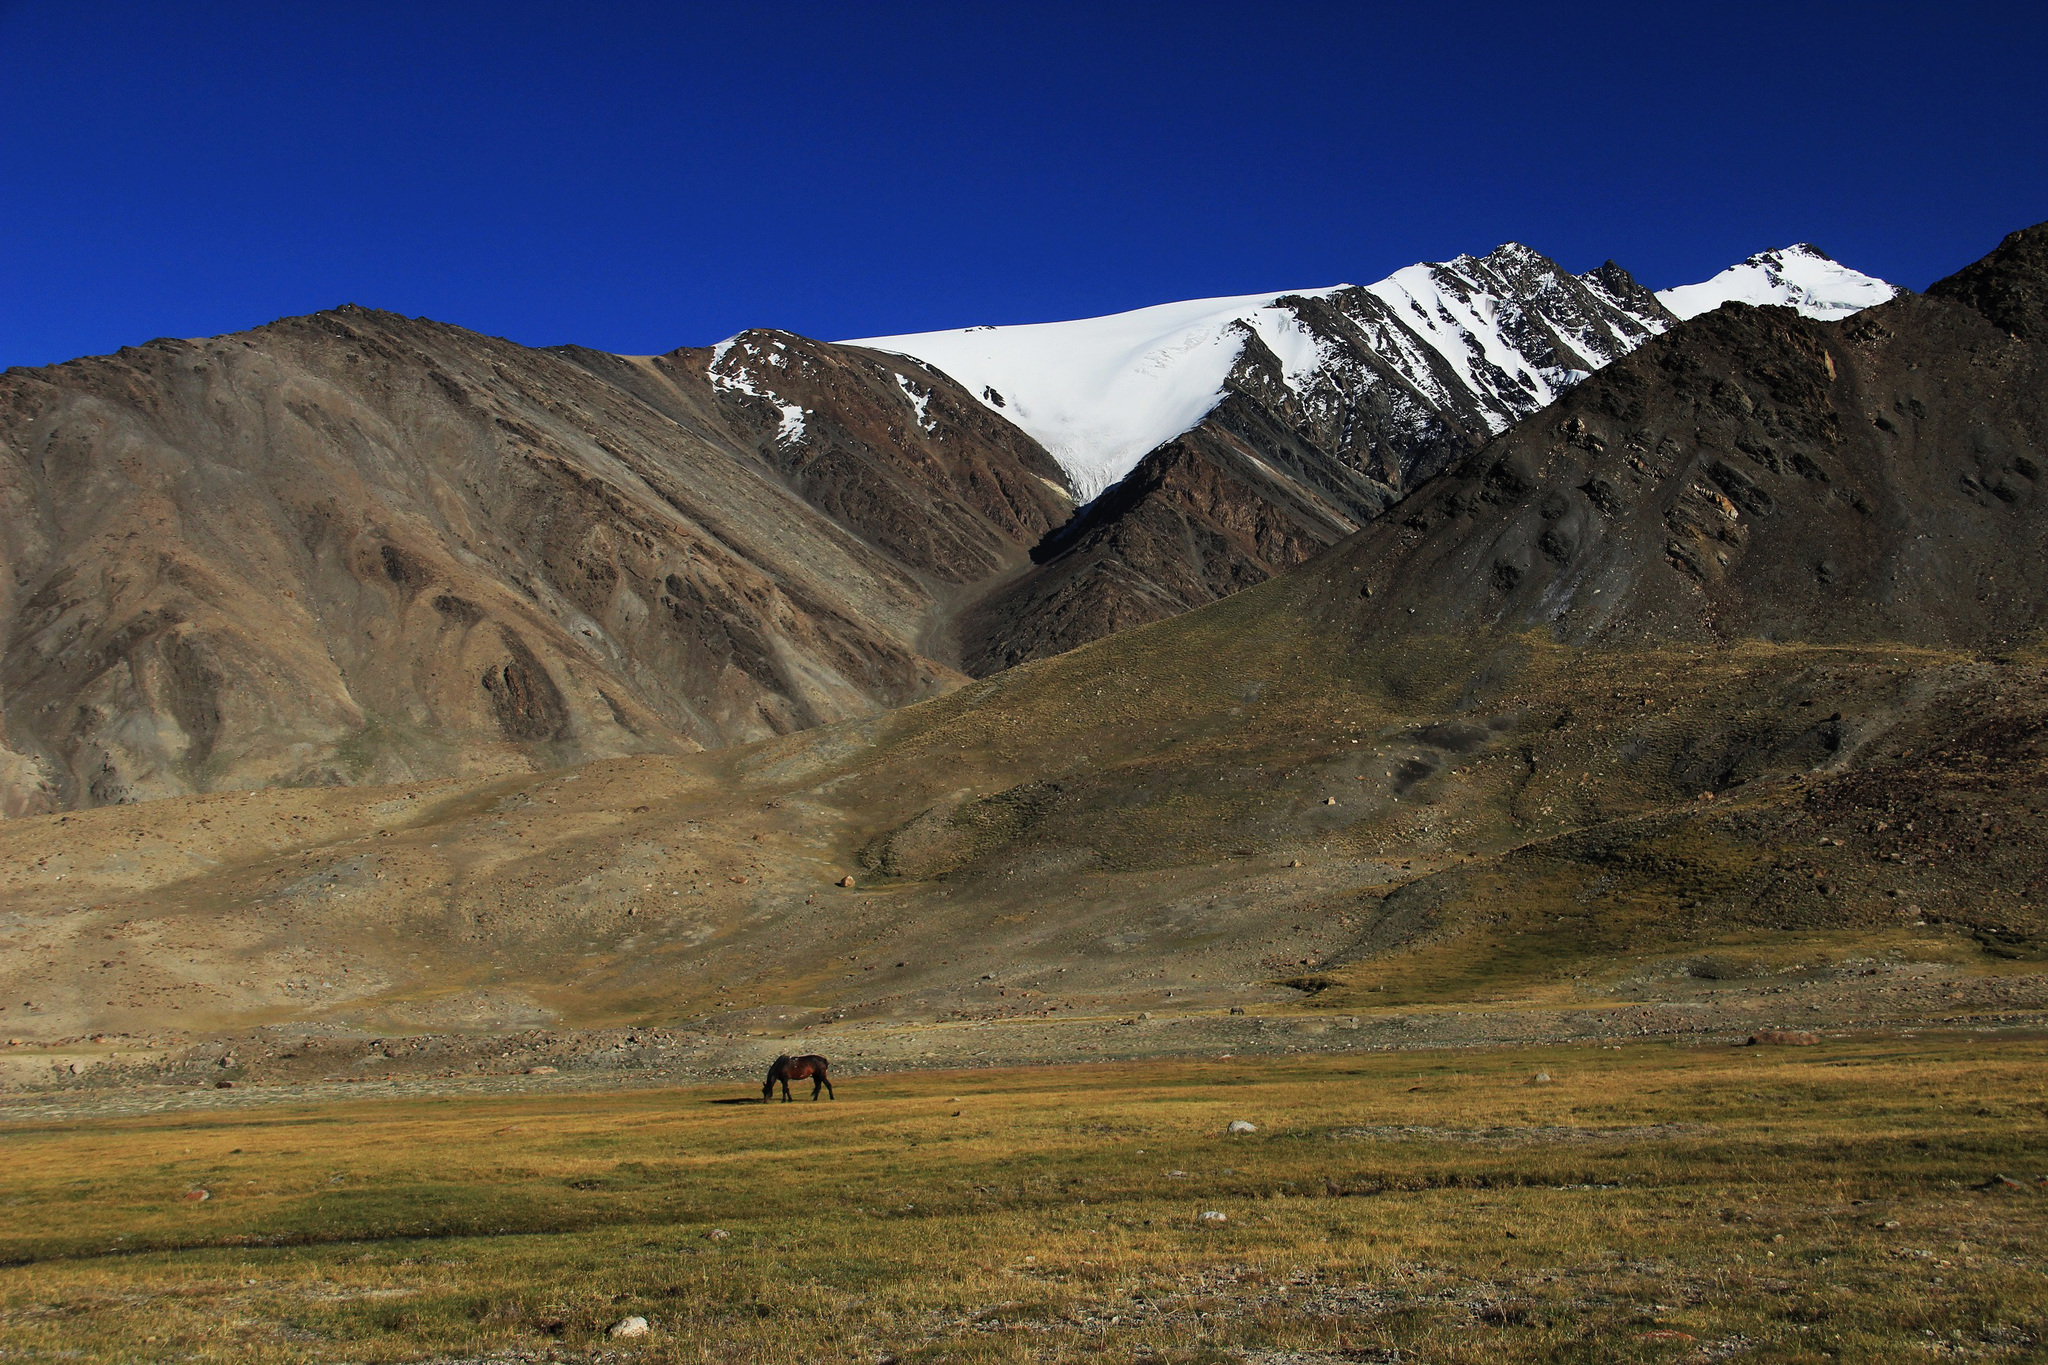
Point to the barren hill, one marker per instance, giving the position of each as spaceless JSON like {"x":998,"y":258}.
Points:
{"x":353,"y":547}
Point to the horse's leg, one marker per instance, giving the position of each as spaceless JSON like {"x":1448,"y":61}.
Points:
{"x":829,"y":1092}
{"x":785,"y":1090}
{"x":817,"y":1084}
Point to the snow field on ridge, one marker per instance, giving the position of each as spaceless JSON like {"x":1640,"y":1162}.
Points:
{"x":1100,"y":393}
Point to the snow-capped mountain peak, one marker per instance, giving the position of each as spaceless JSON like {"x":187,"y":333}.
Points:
{"x":1468,"y":345}
{"x":1484,"y":339}
{"x":1801,"y":276}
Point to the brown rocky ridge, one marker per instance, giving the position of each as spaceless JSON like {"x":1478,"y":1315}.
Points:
{"x":353,"y":547}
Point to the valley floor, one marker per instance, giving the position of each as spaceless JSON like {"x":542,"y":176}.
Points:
{"x":1835,"y":982}
{"x":1874,"y":1196}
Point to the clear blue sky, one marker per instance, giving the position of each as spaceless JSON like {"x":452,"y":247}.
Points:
{"x":638,"y":177}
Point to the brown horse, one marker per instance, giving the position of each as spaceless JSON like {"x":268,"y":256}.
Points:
{"x":808,"y":1068}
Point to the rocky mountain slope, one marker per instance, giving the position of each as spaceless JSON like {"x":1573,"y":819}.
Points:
{"x":1474,"y":339}
{"x":1317,"y":410}
{"x":354,"y":547}
{"x":1754,"y":474}
{"x":1735,"y":773}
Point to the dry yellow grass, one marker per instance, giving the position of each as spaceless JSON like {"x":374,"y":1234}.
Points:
{"x":1650,"y":1202}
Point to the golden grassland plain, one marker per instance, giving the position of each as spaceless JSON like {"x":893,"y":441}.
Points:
{"x":1646,"y":1202}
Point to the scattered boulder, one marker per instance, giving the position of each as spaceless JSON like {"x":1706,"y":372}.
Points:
{"x":540,"y":1071}
{"x":717,"y":1234}
{"x":1240,"y":1126}
{"x":1212,"y":1216}
{"x":1540,"y":1078}
{"x":847,"y":880}
{"x":198,"y":1196}
{"x":1783,"y":1037}
{"x":223,"y":1085}
{"x":628,"y":1327}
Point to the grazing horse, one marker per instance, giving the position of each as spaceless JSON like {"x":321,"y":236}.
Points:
{"x":786,"y":1069}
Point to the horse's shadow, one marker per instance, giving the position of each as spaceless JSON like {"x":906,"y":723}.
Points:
{"x":741,"y":1099}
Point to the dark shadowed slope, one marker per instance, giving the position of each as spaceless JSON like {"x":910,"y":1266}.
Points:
{"x":1756,"y":474}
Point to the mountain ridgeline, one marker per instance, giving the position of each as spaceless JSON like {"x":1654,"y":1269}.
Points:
{"x":357,"y":548}
{"x":1385,"y":386}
